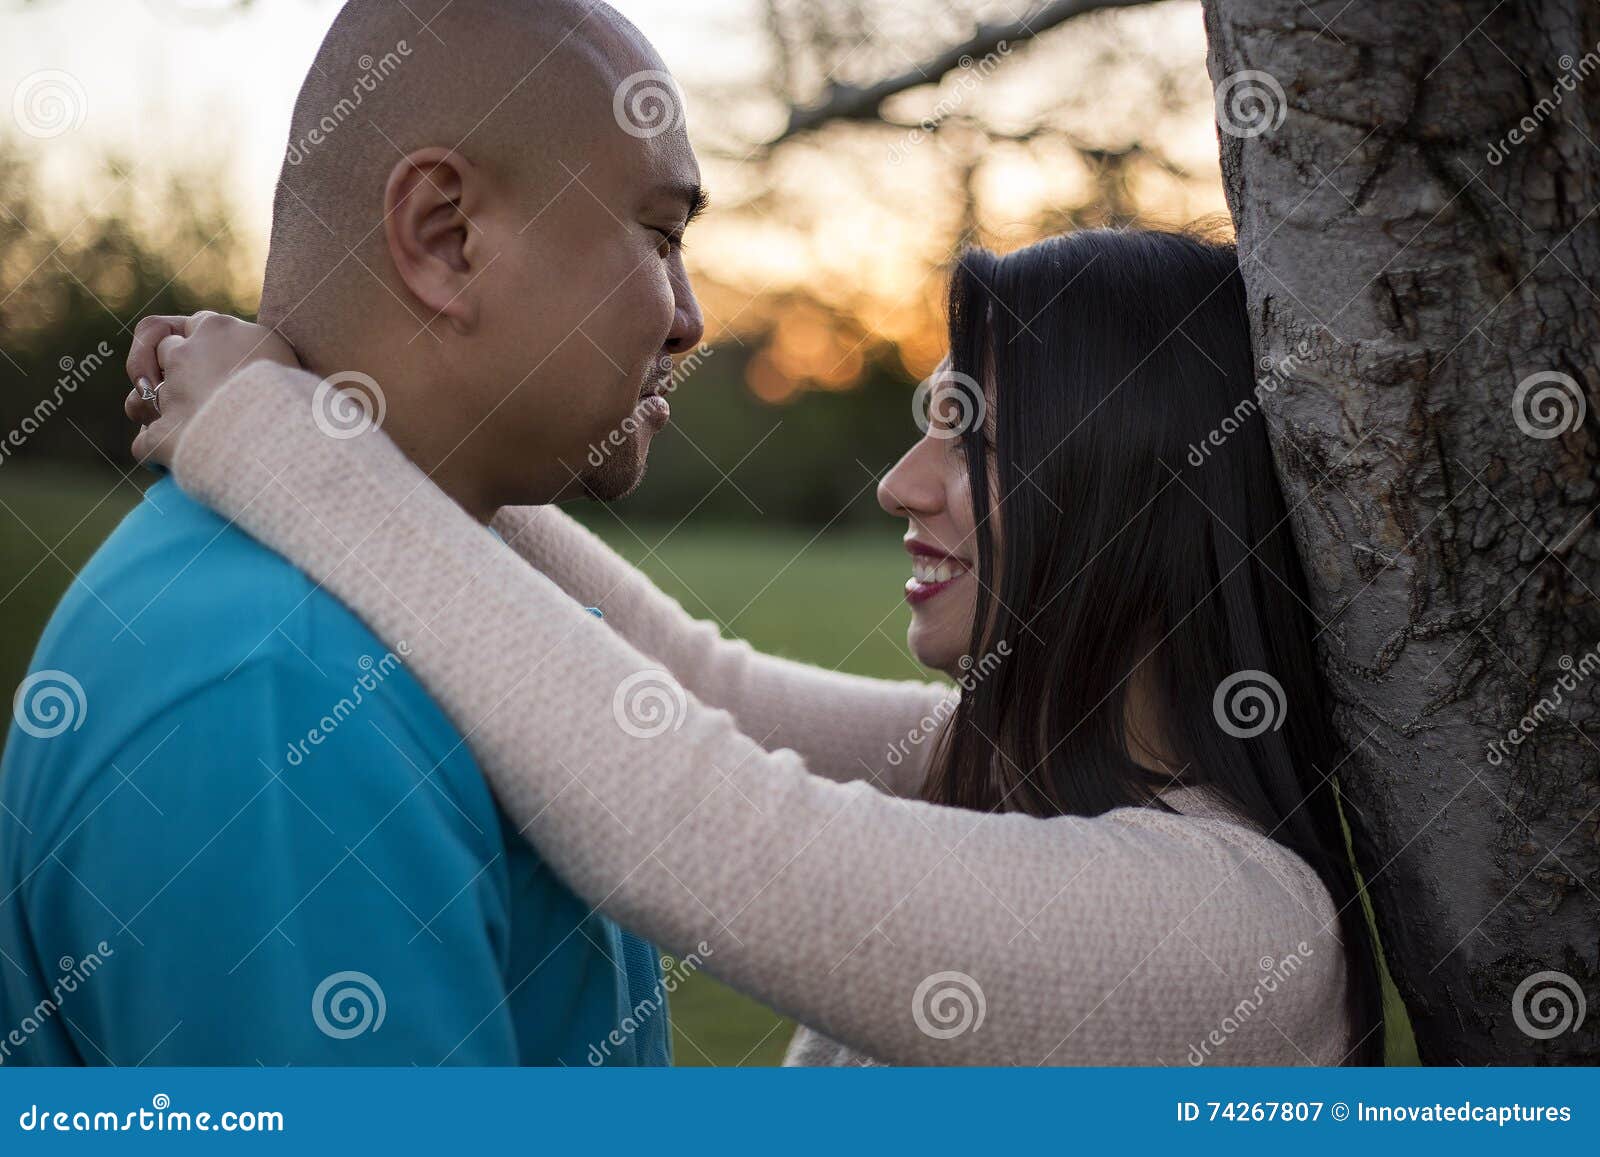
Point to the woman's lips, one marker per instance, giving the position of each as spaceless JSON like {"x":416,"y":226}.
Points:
{"x":932,"y":572}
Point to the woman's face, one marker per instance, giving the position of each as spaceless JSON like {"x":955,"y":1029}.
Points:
{"x":930,"y":489}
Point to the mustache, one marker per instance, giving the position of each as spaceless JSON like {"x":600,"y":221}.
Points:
{"x":659,"y":378}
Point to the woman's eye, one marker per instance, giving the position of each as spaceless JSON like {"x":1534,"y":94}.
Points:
{"x":668,"y":243}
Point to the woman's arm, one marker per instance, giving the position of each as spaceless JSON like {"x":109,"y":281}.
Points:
{"x":844,"y":726}
{"x":1125,"y":938}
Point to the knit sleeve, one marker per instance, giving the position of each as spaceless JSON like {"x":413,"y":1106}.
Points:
{"x":844,"y":726}
{"x":914,"y":933}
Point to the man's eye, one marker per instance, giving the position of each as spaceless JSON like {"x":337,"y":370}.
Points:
{"x":669,"y":242}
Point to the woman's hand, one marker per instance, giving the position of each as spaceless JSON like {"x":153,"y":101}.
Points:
{"x":177,"y":363}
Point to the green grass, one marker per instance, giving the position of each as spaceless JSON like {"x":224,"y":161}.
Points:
{"x":834,"y":600}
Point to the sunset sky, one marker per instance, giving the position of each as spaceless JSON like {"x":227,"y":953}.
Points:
{"x":860,"y":219}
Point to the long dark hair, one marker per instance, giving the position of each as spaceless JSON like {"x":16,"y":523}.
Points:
{"x":1112,"y":361}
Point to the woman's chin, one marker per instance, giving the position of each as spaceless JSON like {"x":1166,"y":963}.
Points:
{"x":933,"y":650}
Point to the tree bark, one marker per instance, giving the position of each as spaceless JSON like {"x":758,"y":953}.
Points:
{"x":1411,"y":261}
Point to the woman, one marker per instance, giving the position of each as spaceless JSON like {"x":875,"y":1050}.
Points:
{"x":1091,"y":857}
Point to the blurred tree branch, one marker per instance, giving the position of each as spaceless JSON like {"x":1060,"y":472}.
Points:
{"x":850,"y":102}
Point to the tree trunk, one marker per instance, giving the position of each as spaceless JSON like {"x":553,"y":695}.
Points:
{"x":1420,"y":240}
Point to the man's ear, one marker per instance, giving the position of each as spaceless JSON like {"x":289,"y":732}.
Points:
{"x":428,"y":204}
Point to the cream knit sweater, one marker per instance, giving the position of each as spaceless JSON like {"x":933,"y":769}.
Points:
{"x":696,"y":790}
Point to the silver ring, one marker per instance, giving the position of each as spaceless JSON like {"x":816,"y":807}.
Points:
{"x":149,"y":393}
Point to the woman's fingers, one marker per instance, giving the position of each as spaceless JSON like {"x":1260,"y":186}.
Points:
{"x":147,"y":335}
{"x":139,"y":408}
{"x":165,"y":349}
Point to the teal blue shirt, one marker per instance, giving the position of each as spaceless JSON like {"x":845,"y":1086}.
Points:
{"x":234,"y":829}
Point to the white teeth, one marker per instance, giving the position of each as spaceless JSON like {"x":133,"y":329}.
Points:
{"x":926,"y":570}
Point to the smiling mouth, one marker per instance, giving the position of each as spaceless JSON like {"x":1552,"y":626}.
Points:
{"x":932,"y":572}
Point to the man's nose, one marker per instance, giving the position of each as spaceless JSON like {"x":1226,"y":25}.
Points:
{"x":688,"y":324}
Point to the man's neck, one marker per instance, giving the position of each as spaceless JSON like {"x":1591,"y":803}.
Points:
{"x":448,"y":467}
{"x":432,"y":446}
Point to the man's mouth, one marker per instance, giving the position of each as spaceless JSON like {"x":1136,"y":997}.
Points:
{"x":653,"y":407}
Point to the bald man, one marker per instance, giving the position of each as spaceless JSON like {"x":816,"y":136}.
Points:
{"x":271,"y":842}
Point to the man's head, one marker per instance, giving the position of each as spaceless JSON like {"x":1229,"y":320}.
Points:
{"x":481,"y":209}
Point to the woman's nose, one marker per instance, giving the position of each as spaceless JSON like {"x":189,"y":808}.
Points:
{"x":915,"y":484}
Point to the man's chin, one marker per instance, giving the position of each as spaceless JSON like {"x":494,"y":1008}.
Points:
{"x":618,"y":474}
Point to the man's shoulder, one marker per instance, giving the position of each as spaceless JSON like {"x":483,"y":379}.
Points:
{"x":180,"y":607}
{"x":175,"y":569}
{"x":177,"y":591}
